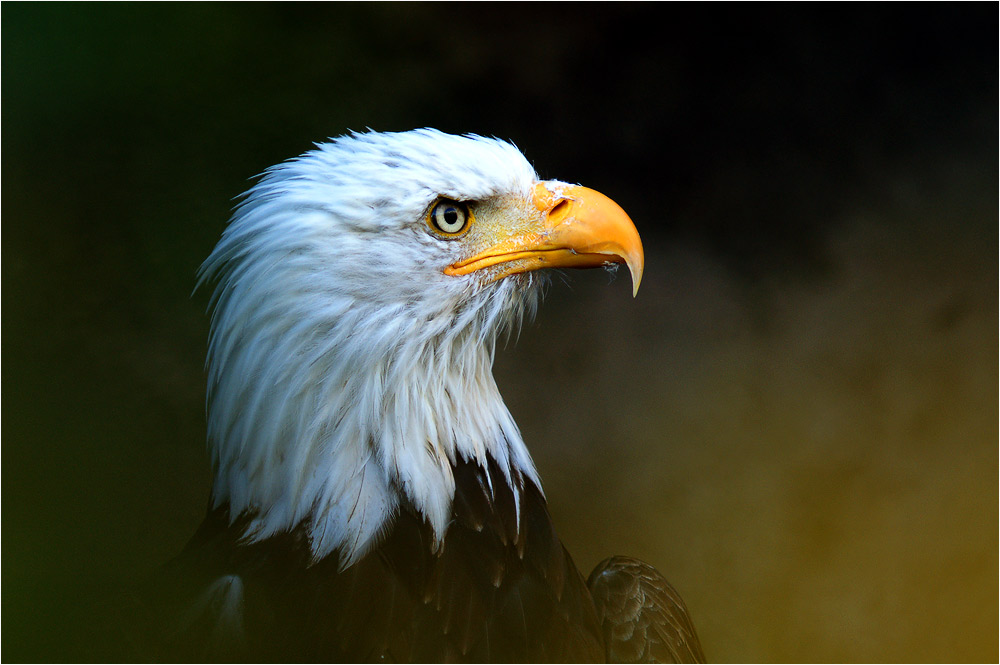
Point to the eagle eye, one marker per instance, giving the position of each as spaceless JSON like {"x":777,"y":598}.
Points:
{"x":449,"y":218}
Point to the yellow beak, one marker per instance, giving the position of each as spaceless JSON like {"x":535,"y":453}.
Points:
{"x":576,"y":227}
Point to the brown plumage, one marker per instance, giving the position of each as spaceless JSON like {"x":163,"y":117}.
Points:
{"x":501,"y":588}
{"x":643,"y":618}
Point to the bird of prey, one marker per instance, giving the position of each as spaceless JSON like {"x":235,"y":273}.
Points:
{"x":372,"y":497}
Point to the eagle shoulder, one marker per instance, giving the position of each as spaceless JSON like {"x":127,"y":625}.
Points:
{"x":643,"y":618}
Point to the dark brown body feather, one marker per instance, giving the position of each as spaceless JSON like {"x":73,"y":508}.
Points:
{"x":501,"y":588}
{"x":643,"y":618}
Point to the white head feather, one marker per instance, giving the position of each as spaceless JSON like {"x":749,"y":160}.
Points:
{"x":344,"y":366}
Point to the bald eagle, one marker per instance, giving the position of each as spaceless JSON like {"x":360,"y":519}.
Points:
{"x":372,"y":497}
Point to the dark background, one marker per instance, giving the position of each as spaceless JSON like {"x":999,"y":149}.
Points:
{"x":796,"y":420}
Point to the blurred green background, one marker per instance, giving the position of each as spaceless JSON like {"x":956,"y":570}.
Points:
{"x":796,"y":420}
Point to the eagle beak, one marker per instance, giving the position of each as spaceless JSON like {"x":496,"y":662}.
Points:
{"x":575,"y":227}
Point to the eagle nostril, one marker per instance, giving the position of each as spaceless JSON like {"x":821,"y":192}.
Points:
{"x":559,"y":210}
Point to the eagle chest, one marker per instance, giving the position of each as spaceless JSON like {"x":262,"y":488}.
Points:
{"x":501,"y":587}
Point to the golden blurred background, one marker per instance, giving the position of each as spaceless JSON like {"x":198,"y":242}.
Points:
{"x":795,"y":421}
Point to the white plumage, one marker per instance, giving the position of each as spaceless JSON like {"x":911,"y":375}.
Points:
{"x":343,"y":362}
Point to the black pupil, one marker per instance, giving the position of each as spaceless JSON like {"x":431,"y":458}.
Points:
{"x":450,"y":216}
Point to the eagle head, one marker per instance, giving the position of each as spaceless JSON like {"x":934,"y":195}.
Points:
{"x":360,"y":289}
